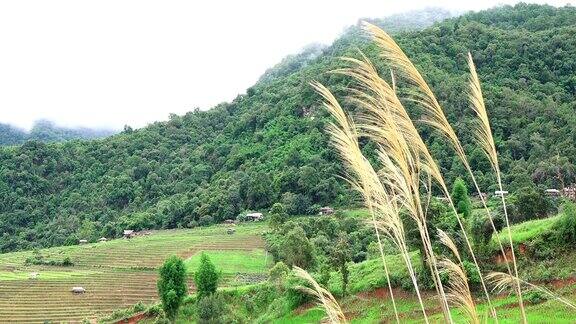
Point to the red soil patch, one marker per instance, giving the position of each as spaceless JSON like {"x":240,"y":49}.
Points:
{"x":561,"y":283}
{"x":499,"y":259}
{"x":303,"y":308}
{"x":133,"y":319}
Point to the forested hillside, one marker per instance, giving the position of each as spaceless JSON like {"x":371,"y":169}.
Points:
{"x":47,"y":131}
{"x":269,"y":145}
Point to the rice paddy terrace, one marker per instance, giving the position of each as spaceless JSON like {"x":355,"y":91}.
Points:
{"x":118,"y":273}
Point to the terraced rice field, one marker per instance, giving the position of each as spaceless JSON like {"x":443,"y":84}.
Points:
{"x":116,"y":274}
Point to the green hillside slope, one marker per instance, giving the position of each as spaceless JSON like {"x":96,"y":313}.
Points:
{"x":269,"y":145}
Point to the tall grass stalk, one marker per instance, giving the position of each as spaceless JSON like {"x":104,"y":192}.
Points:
{"x":483,"y":134}
{"x":458,"y":289}
{"x":334,"y":314}
{"x":501,"y":281}
{"x":400,"y":159}
{"x":362,"y":177}
{"x":384,"y":114}
{"x":434,"y":116}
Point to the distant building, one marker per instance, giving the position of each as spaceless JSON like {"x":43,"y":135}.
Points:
{"x":326,"y":211}
{"x":229,"y":221}
{"x":78,"y":290}
{"x":500,"y":193}
{"x":128,"y":234}
{"x":255,"y":217}
{"x":83,"y":241}
{"x":102,"y":239}
{"x":552,"y":192}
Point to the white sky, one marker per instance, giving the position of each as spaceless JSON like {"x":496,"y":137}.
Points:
{"x":110,"y":63}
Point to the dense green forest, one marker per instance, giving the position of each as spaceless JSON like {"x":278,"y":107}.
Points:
{"x":47,"y":131}
{"x":269,"y":145}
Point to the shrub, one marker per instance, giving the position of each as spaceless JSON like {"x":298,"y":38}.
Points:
{"x":206,"y":278}
{"x":324,"y":274}
{"x":138,"y":307}
{"x":210,"y":309}
{"x":566,"y":225}
{"x":67,"y":262}
{"x":172,"y":285}
{"x":206,"y":220}
{"x":535,"y":297}
{"x":278,"y":273}
{"x":38,"y":259}
{"x":294,"y":296}
{"x":154,"y":311}
{"x":471,"y":273}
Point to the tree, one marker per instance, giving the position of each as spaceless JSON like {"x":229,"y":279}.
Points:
{"x":342,"y":254}
{"x":277,"y":215}
{"x":172,"y":285}
{"x":460,"y":198}
{"x":530,"y":204}
{"x":296,"y":249}
{"x":206,"y":277}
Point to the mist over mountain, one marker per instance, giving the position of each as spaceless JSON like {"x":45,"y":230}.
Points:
{"x":393,"y":24}
{"x":47,"y":131}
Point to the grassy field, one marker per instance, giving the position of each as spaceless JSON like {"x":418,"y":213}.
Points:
{"x":119,"y":273}
{"x":230,"y":262}
{"x":528,"y":230}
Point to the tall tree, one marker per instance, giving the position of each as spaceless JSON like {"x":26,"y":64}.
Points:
{"x":206,"y":277}
{"x":172,"y":286}
{"x":460,"y":198}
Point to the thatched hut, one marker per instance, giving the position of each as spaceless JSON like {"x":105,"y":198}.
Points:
{"x":326,"y":210}
{"x":128,"y":234}
{"x":255,"y":217}
{"x":78,"y":290}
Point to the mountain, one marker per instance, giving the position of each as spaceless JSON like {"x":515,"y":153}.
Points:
{"x":269,"y":145}
{"x":47,"y":131}
{"x":403,"y":22}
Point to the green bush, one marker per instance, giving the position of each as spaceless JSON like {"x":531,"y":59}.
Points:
{"x":530,"y":203}
{"x":471,"y":273}
{"x":38,"y":259}
{"x":535,"y":297}
{"x":154,"y":311}
{"x":544,"y":246}
{"x":278,"y":273}
{"x":566,"y":225}
{"x":211,"y":309}
{"x":294,"y":296}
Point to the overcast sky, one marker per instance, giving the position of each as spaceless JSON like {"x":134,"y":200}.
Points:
{"x":110,"y":63}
